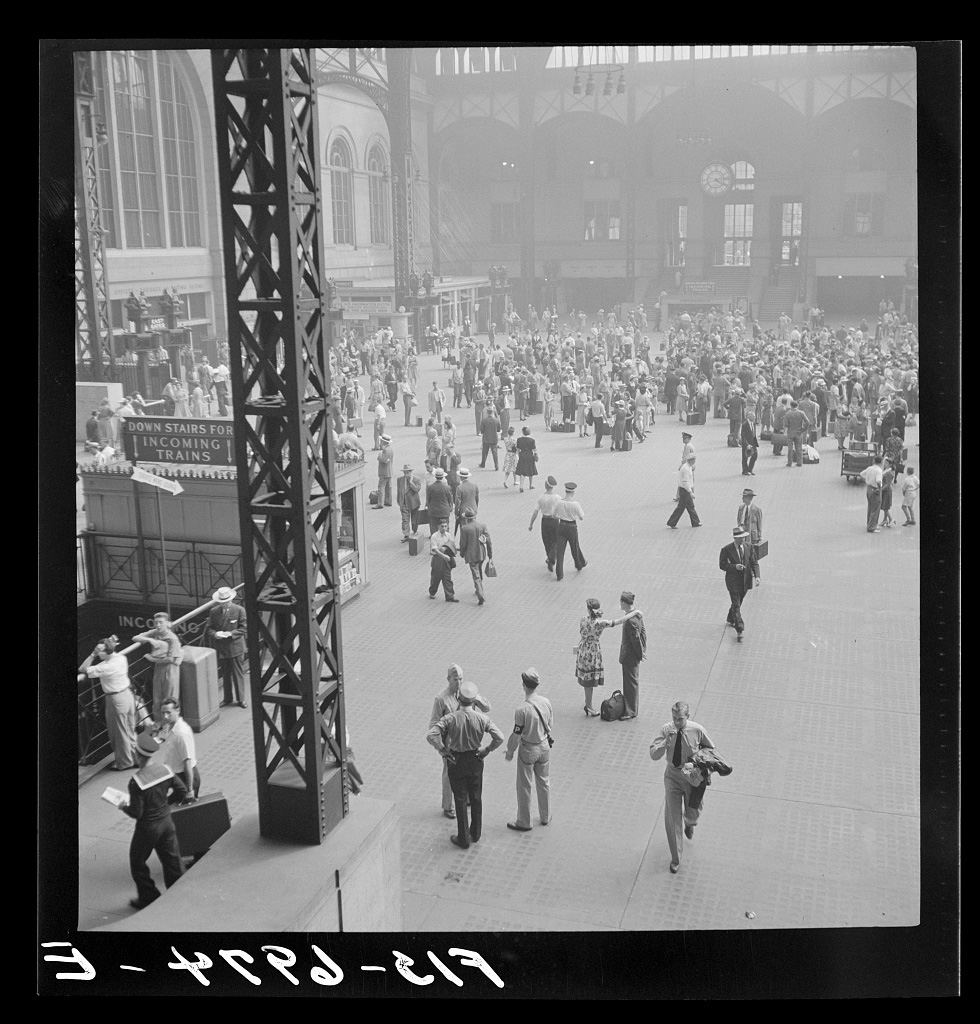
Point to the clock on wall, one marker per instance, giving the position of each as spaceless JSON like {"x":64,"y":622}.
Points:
{"x":716,"y":179}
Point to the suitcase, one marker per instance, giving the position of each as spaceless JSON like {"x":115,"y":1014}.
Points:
{"x":413,"y":545}
{"x":778,"y":442}
{"x":200,"y":825}
{"x":373,"y":498}
{"x":762,"y":549}
{"x":733,"y":441}
{"x":556,"y":428}
{"x":859,"y":446}
{"x":423,"y":519}
{"x":611,"y":709}
{"x":199,"y":696}
{"x":418,"y":421}
{"x":695,"y":418}
{"x":627,"y":444}
{"x":766,"y":435}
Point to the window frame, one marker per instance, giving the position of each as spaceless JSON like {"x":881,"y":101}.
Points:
{"x":342,"y":198}
{"x":379,"y":199}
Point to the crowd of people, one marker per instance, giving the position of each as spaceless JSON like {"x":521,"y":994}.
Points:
{"x":791,"y":385}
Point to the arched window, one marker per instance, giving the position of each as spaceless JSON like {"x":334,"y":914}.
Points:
{"x":147,"y":161}
{"x":378,"y":190}
{"x":744,"y":174}
{"x":341,"y":193}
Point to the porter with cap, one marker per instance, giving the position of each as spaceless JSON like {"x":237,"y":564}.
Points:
{"x":458,"y":737}
{"x":547,"y":505}
{"x":568,"y":511}
{"x":532,"y":740}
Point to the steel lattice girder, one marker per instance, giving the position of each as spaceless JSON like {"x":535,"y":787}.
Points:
{"x":268,"y":145}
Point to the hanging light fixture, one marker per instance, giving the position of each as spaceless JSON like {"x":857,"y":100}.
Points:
{"x":577,"y":86}
{"x":590,"y":86}
{"x":621,"y":85}
{"x":607,"y":89}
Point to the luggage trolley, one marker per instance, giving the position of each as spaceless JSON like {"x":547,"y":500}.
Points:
{"x":855,"y":459}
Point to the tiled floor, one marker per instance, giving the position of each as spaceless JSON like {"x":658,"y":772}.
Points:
{"x":808,"y":831}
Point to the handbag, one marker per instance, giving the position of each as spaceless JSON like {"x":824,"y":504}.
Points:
{"x":491,"y":570}
{"x":588,"y":418}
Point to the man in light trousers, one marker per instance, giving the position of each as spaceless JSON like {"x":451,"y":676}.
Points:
{"x":531,"y":739}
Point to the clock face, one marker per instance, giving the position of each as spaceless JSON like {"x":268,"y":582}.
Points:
{"x":716,"y":179}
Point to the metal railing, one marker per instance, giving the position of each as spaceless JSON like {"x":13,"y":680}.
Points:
{"x":93,"y":739}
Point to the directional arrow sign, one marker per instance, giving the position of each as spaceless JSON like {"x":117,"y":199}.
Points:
{"x":141,"y":476}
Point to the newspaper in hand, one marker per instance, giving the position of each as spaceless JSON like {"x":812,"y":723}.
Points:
{"x":116,"y":797}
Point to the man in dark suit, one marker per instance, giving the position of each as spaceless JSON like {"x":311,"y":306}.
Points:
{"x":225,"y":632}
{"x":409,"y":502}
{"x":474,"y":547}
{"x":741,"y":568}
{"x":632,"y":650}
{"x":750,"y":444}
{"x":489,"y":429}
{"x":467,"y":496}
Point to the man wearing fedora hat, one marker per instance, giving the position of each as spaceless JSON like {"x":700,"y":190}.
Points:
{"x":407,"y":494}
{"x":438,"y":500}
{"x":741,"y":568}
{"x":225,"y":632}
{"x":385,"y":459}
{"x":475,"y":547}
{"x":467,"y":496}
{"x":149,"y":791}
{"x":750,"y":518}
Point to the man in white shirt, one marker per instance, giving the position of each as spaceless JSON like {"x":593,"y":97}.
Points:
{"x":872,"y":477}
{"x":532,"y":740}
{"x":178,"y":751}
{"x":380,"y":414}
{"x":219,"y":377}
{"x":685,"y":496}
{"x":112,"y":671}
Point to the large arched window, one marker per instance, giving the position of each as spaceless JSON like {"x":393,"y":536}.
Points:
{"x":744,"y":174}
{"x":148,"y":172}
{"x":341,"y":193}
{"x":378,"y":189}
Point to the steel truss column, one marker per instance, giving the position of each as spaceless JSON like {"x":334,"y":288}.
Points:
{"x":93,"y":322}
{"x":525,"y":167}
{"x":629,"y":181}
{"x":402,"y":182}
{"x":270,"y":185}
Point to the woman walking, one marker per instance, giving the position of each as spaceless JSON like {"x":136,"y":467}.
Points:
{"x":510,"y":456}
{"x":526,"y":457}
{"x":682,"y":397}
{"x":588,"y":660}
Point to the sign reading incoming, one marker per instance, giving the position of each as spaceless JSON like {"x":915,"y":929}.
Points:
{"x":182,"y":441}
{"x":362,"y":310}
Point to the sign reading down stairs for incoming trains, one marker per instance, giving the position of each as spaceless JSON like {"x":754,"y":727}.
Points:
{"x":179,"y":441}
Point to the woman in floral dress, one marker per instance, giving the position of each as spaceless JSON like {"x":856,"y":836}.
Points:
{"x":510,"y":457}
{"x":588,"y":660}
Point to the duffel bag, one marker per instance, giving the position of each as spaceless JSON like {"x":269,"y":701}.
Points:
{"x":611,"y":709}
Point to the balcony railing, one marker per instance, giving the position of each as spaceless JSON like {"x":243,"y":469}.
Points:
{"x":93,"y":739}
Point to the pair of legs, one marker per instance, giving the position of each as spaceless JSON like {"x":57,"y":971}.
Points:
{"x":568,"y":536}
{"x":159,"y":836}
{"x":682,"y":808}
{"x":166,"y":685}
{"x":120,"y":721}
{"x":410,"y":522}
{"x":909,"y":511}
{"x":549,"y":537}
{"x":466,"y":781}
{"x":232,"y":673}
{"x":685,"y":502}
{"x":533,"y":761}
{"x":749,"y":455}
{"x":384,"y":491}
{"x":874,"y":508}
{"x":441,"y":573}
{"x":735,"y":610}
{"x":489,"y":449}
{"x":794,"y":450}
{"x":631,"y":689}
{"x":476,"y":570}
{"x":599,"y":425}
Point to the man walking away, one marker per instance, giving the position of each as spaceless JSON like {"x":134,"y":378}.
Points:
{"x":685,"y":496}
{"x":568,"y":511}
{"x":547,"y":504}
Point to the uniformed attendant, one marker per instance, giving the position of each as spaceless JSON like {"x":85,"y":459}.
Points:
{"x":532,"y":741}
{"x":458,"y":737}
{"x":568,"y":511}
{"x":446,"y":703}
{"x":547,"y":504}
